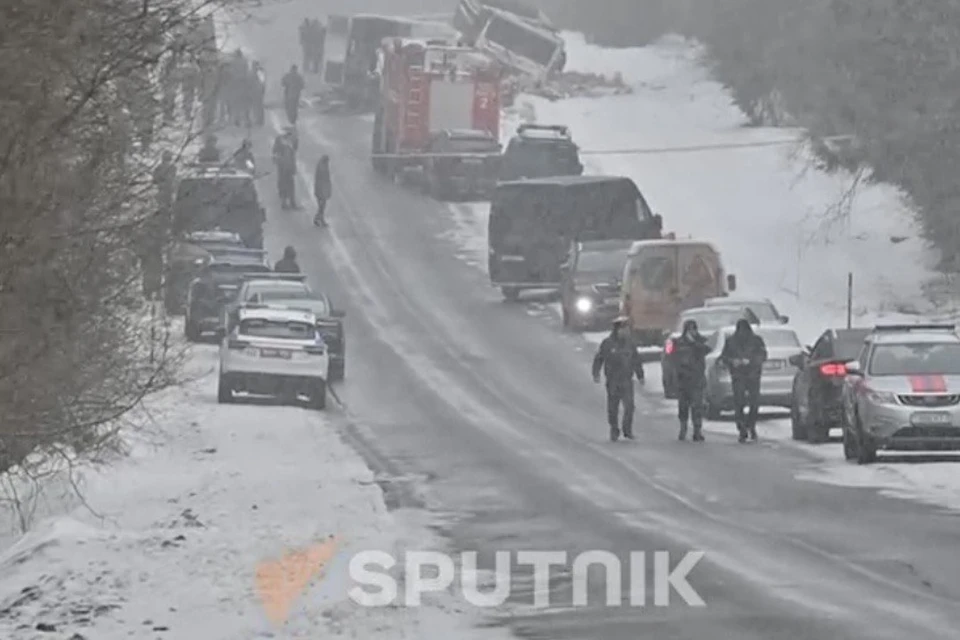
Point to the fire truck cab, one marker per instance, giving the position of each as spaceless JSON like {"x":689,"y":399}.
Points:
{"x":429,"y":86}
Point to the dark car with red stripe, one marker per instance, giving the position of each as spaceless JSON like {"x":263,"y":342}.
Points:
{"x":818,"y":383}
{"x":902,"y":392}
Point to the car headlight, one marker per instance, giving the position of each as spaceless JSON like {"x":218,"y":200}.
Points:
{"x":880,"y":397}
{"x":584,"y":305}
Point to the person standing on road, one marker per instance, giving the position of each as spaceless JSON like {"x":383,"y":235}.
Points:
{"x":292,"y":89}
{"x":305,"y":43}
{"x":318,"y":34}
{"x":322,"y":190}
{"x":690,"y":352}
{"x":288,"y":264}
{"x":620,"y":361}
{"x":285,"y":157}
{"x":744,"y":354}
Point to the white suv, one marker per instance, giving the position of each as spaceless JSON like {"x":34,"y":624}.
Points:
{"x":273,"y":351}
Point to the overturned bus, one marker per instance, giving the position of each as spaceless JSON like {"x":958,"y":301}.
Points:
{"x":533,"y":223}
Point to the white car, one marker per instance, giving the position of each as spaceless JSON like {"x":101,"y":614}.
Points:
{"x":278,"y":352}
{"x":264,"y":288}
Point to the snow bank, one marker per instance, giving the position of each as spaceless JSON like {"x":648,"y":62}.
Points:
{"x":173,"y":537}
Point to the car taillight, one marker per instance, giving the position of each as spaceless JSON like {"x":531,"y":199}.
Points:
{"x":833,"y":370}
{"x":238,"y":344}
{"x":668,"y":347}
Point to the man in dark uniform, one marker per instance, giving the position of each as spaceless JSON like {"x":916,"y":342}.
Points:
{"x":620,"y":361}
{"x":690,"y":352}
{"x":285,"y":157}
{"x":322,"y":190}
{"x":293,"y":86}
{"x":288,"y":264}
{"x":743,"y":355}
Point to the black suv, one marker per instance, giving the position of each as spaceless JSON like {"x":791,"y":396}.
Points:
{"x":214,"y":197}
{"x":590,"y":288}
{"x":468,"y":165}
{"x":216,"y":287}
{"x":188,"y":258}
{"x":540,"y":151}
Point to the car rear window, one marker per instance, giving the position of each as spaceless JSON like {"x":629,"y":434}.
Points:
{"x":259,"y":328}
{"x":779,"y":338}
{"x":283,"y":294}
{"x":913,"y":359}
{"x":848,"y":348}
{"x":710,"y":320}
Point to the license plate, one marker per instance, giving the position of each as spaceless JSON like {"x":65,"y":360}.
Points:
{"x":931,"y":419}
{"x":275,"y":353}
{"x":772,"y":365}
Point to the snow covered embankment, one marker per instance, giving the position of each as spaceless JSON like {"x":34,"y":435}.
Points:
{"x":180,"y":536}
{"x":790,"y":231}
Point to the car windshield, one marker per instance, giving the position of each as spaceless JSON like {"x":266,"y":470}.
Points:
{"x":226,"y":267}
{"x":260,"y":328}
{"x":316,"y":306}
{"x":291,"y":293}
{"x":602,"y":261}
{"x":710,"y":320}
{"x":913,"y":359}
{"x":206,"y":202}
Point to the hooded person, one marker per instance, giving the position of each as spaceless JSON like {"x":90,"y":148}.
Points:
{"x":288,"y":264}
{"x":620,"y":361}
{"x":322,"y":189}
{"x":743,"y":355}
{"x":690,"y":352}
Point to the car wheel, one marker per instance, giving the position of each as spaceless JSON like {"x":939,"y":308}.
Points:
{"x":849,"y":444}
{"x":797,"y":429}
{"x":224,"y":390}
{"x":318,"y":400}
{"x":866,"y":448}
{"x":510,"y":294}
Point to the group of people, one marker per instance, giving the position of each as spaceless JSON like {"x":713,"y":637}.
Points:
{"x":743,"y":355}
{"x":285,"y":157}
{"x":313,"y":39}
{"x":241,"y":90}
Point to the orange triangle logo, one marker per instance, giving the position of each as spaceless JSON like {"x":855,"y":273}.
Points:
{"x":280,"y":583}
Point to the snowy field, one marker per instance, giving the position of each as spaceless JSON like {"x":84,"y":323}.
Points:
{"x":184,"y":536}
{"x":788,"y":230}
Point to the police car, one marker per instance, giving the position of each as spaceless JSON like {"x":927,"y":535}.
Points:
{"x":276,"y":352}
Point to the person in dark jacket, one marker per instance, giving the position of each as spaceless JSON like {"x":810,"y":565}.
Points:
{"x":210,"y":152}
{"x":322,"y":190}
{"x":288,"y":264}
{"x":690,"y":352}
{"x":285,"y":157}
{"x":743,"y":355}
{"x":620,"y":361}
{"x":292,"y":88}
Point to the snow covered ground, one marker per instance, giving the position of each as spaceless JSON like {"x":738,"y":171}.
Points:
{"x":181,"y":536}
{"x":790,"y":231}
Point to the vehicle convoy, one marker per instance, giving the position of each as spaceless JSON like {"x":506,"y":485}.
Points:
{"x":776,"y":383}
{"x":329,"y":323}
{"x":518,"y":35}
{"x":818,"y":383}
{"x":902,"y":393}
{"x":215,"y":197}
{"x":466,"y":164}
{"x":428,"y":87}
{"x":533,"y":222}
{"x":277,"y":352}
{"x":215,"y":287}
{"x":540,"y":151}
{"x":709,"y":320}
{"x":358,"y":80}
{"x":764,"y":308}
{"x":590,"y":284}
{"x":666,"y":277}
{"x":187,"y":259}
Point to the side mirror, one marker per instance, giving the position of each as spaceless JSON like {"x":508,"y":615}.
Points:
{"x":797,"y":360}
{"x":784,"y":319}
{"x":853,"y":369}
{"x":338,"y":313}
{"x":731,"y":282}
{"x":658,"y":222}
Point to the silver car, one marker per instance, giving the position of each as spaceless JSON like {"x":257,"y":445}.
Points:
{"x":903,"y":392}
{"x":762,"y":307}
{"x":776,"y":383}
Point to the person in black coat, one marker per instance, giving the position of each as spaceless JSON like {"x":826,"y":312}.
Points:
{"x":620,"y":361}
{"x":322,"y":190}
{"x":690,"y":352}
{"x":288,"y":264}
{"x":743,"y":355}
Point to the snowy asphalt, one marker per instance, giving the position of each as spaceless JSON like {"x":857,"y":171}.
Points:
{"x":491,"y":415}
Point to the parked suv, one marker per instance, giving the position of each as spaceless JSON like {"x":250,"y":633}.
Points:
{"x":540,"y":151}
{"x":903,"y":392}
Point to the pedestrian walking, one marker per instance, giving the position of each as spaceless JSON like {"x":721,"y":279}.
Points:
{"x":322,"y":190}
{"x":744,"y":354}
{"x":690,"y":352}
{"x":620,"y":361}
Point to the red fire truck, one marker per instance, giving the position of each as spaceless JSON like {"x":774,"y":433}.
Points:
{"x":428,"y":88}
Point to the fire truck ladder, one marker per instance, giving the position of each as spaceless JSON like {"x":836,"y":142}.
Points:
{"x":412,"y":112}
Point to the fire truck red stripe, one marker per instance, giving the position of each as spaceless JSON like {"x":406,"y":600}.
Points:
{"x":936,"y":384}
{"x":918,"y":384}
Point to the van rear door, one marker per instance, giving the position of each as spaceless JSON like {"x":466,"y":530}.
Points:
{"x":654,"y":294}
{"x":700,"y":274}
